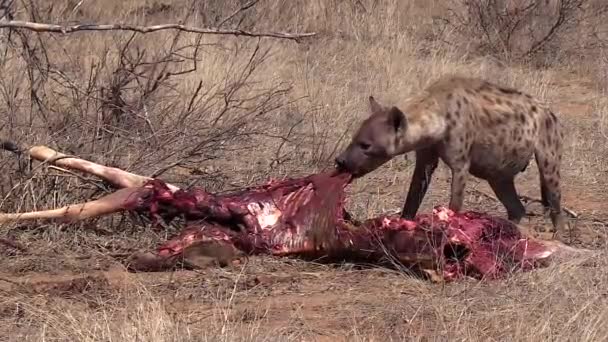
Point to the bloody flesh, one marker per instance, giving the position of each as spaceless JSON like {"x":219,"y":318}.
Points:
{"x":306,"y":217}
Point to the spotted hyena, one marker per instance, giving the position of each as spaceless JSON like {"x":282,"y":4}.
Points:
{"x":475,"y":127}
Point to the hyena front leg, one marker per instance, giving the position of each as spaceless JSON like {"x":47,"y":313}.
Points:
{"x":460,"y":176}
{"x":426,"y":164}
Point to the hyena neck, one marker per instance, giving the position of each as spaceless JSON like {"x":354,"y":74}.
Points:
{"x":422,"y":131}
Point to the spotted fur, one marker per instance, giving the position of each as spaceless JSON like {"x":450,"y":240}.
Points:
{"x":475,"y":127}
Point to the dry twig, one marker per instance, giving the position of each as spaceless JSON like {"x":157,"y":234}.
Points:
{"x":528,"y":199}
{"x":42,"y":27}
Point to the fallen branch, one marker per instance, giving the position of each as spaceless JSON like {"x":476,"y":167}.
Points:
{"x":528,"y":199}
{"x":568,"y":211}
{"x":41,"y":27}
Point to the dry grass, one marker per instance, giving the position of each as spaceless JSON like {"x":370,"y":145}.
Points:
{"x":290,"y":107}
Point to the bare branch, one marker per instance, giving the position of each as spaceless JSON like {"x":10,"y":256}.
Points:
{"x":241,"y":9}
{"x":41,"y":27}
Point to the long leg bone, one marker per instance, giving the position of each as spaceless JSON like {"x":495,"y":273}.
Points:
{"x":118,"y":177}
{"x":121,"y":200}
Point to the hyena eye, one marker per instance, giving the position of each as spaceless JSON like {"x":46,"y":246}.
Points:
{"x":364,"y":146}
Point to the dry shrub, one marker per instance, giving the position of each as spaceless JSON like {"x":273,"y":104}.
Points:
{"x":527,"y":30}
{"x":151,"y":104}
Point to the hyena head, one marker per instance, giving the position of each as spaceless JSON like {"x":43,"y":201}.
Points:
{"x":376,"y":141}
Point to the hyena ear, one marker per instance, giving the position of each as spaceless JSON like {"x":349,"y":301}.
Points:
{"x":374,"y":105}
{"x":397,"y":119}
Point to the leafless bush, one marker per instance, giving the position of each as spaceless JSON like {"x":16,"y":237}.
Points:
{"x":523,"y":29}
{"x":139,"y":102}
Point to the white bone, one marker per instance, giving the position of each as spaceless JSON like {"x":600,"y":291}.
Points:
{"x":118,"y":177}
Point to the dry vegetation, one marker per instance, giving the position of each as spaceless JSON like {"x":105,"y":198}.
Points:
{"x":224,"y":112}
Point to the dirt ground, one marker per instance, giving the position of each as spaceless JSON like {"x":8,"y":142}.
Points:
{"x":69,"y":283}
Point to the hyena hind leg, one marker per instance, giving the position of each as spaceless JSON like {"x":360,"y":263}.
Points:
{"x":548,"y":168}
{"x":505,"y":191}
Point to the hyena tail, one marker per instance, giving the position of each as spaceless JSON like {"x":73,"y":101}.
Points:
{"x":548,"y":155}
